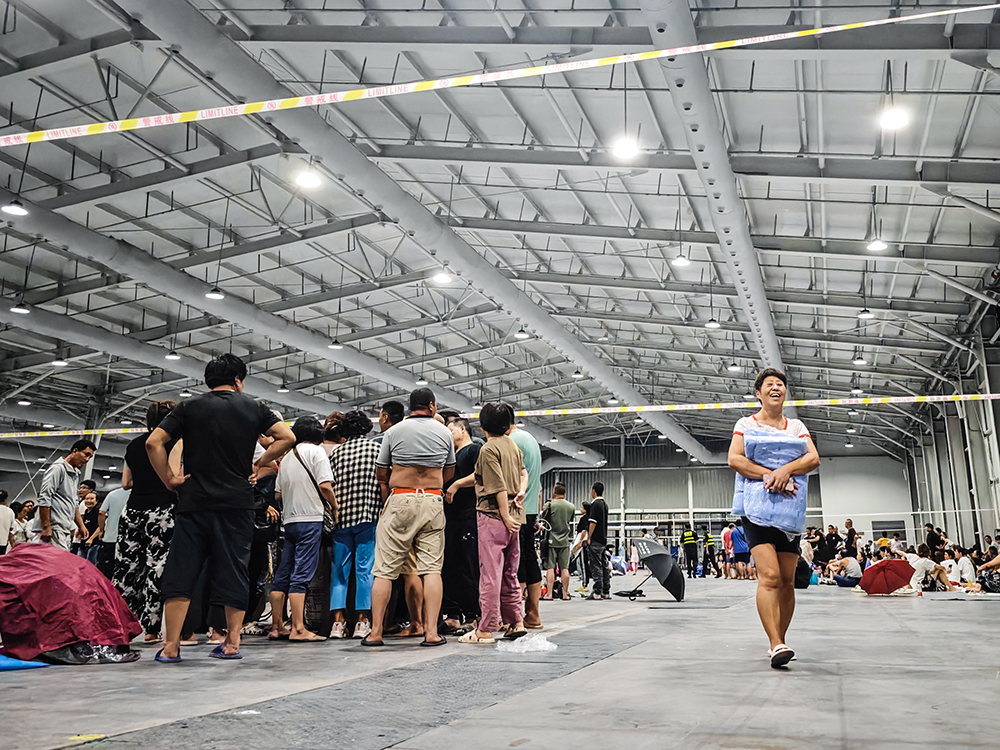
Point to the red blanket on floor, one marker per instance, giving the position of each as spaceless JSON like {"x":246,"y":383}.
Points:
{"x":50,"y":598}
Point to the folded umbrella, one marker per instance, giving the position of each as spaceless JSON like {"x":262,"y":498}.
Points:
{"x":50,"y":599}
{"x":662,"y":565}
{"x":886,"y":576}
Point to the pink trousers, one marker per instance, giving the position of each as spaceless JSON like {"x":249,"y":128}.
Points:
{"x":499,"y":591}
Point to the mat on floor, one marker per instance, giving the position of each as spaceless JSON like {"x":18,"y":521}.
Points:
{"x":7,"y":664}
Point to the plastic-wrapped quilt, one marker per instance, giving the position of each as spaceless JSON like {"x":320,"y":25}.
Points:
{"x":763,"y":507}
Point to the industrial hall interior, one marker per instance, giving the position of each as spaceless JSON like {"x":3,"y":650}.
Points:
{"x":501,"y":373}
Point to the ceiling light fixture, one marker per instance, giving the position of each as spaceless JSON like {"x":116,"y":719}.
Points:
{"x":14,"y":208}
{"x":308,"y":179}
{"x":713,"y":324}
{"x":894,"y":118}
{"x":851,"y":429}
{"x":877,"y":245}
{"x":859,"y":358}
{"x":107,"y":476}
{"x":613,"y":401}
{"x":185,"y":393}
{"x":125,"y":421}
{"x":678,"y":450}
{"x":661,"y":437}
{"x":49,"y":426}
{"x":681,"y":260}
{"x":750,"y":396}
{"x":522,"y":334}
{"x":442,"y":277}
{"x":733,"y":367}
{"x":422,"y":380}
{"x":335,"y":345}
{"x":40,"y":460}
{"x":577,"y":375}
{"x":59,"y":362}
{"x":283,"y":388}
{"x":856,"y":389}
{"x":637,"y":420}
{"x":20,"y":308}
{"x":625,"y":148}
{"x":172,"y":355}
{"x":694,"y":460}
{"x":553,"y":439}
{"x":215,"y":293}
{"x":866,"y":314}
{"x":848,"y":444}
{"x":24,"y":402}
{"x":853,"y":412}
{"x":581,"y":452}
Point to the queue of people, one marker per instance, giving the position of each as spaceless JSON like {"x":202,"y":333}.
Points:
{"x":426,"y":531}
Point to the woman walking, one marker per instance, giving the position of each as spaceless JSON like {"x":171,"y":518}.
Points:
{"x":775,"y":551}
{"x":359,"y":504}
{"x":147,"y":526}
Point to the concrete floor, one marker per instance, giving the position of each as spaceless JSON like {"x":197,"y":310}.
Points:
{"x":872,"y":673}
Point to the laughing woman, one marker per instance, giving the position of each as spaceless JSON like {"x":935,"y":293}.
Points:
{"x":775,"y":550}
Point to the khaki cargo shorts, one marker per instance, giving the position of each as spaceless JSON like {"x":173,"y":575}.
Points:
{"x":409,"y":537}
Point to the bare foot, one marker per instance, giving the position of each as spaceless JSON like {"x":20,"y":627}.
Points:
{"x":305,"y":635}
{"x":410,"y":631}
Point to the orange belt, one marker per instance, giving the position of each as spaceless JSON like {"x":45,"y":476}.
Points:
{"x":408,"y":491}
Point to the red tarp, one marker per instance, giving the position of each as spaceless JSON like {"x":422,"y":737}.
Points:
{"x":50,"y":598}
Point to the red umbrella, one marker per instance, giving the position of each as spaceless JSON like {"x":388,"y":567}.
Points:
{"x":886,"y":576}
{"x":50,"y":599}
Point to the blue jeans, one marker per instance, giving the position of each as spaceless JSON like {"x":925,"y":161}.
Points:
{"x":299,"y":557}
{"x":846,"y":583}
{"x":355,"y":543}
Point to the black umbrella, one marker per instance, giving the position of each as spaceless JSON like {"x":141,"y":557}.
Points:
{"x":662,"y":565}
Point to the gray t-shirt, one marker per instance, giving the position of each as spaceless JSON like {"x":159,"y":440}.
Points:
{"x":114,"y":506}
{"x":59,"y":493}
{"x":853,"y":569}
{"x":417,"y":441}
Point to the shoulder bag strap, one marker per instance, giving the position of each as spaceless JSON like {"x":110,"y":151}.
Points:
{"x":305,"y":466}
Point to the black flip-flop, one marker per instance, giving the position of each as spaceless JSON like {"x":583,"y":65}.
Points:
{"x":371,"y":644}
{"x":513,"y":635}
{"x":430,"y":644}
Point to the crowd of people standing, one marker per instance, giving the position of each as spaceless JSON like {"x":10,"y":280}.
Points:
{"x":424,"y":531}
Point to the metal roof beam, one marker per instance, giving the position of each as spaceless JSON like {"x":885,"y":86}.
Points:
{"x":202,"y":43}
{"x":829,"y":169}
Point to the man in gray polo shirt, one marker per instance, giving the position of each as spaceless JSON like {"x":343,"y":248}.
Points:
{"x":58,"y":502}
{"x":416,"y":458}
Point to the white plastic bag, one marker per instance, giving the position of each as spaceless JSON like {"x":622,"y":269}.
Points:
{"x":527,"y":644}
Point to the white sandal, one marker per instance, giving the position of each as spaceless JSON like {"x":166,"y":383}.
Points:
{"x":780,"y":656}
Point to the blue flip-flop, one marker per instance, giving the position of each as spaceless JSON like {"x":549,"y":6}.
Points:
{"x":166,"y":659}
{"x":218,"y":653}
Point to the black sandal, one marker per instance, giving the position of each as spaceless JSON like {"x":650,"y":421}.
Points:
{"x":442,"y":640}
{"x":371,"y":644}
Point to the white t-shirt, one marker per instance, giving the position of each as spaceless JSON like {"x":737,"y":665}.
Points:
{"x":922,"y":567}
{"x":114,"y":506}
{"x":949,"y":566}
{"x":301,"y":501}
{"x":792,"y":428}
{"x":6,"y":525}
{"x":966,"y":571}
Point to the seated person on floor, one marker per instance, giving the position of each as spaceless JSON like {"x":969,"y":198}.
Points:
{"x":845,"y":571}
{"x":927,"y":574}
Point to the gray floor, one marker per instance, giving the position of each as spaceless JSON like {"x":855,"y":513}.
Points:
{"x":872,"y":673}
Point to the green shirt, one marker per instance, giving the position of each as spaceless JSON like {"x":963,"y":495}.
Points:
{"x":560,"y":514}
{"x":533,"y":463}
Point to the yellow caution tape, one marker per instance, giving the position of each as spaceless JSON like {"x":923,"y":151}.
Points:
{"x":867,"y":401}
{"x":379,"y":92}
{"x":587,"y":411}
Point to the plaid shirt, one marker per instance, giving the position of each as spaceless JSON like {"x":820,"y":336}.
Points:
{"x":354,"y":483}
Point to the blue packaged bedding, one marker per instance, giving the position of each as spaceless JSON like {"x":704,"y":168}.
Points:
{"x":761,"y":506}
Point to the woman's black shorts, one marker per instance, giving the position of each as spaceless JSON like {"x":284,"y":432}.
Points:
{"x":767,"y":535}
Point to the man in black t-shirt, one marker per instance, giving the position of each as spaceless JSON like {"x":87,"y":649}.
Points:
{"x":597,"y":540}
{"x":460,"y":575}
{"x":214,"y":515}
{"x":851,"y":539}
